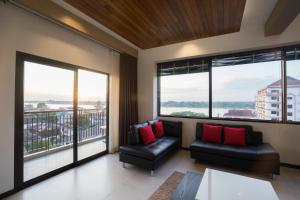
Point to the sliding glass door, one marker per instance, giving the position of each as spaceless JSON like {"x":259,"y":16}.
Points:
{"x":48,"y":118}
{"x":61,"y":117}
{"x":92,"y":112}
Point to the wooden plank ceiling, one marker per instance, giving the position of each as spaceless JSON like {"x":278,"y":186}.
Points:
{"x":153,"y":23}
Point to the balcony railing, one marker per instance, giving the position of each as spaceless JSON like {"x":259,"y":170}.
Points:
{"x":46,"y":130}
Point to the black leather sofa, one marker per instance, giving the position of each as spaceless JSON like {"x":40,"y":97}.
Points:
{"x":257,"y":156}
{"x":152,"y":155}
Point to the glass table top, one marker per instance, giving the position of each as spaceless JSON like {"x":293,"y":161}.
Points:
{"x":218,"y":185}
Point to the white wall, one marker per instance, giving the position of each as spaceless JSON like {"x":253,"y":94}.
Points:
{"x":285,"y":138}
{"x":23,"y":31}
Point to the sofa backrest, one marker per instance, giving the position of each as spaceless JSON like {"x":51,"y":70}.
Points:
{"x":171,"y":128}
{"x":133,"y":135}
{"x":151,"y":122}
{"x":250,"y":139}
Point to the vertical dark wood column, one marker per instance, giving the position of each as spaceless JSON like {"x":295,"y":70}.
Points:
{"x":19,"y":114}
{"x":128,"y":96}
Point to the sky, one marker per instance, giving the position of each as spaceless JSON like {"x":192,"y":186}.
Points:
{"x":42,"y":82}
{"x":91,"y":86}
{"x":229,"y":83}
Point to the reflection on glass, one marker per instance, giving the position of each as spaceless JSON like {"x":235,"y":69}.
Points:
{"x":216,"y":185}
{"x":92,"y":112}
{"x":48,"y":119}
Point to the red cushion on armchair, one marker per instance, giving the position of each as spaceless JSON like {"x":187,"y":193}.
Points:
{"x":147,"y":135}
{"x":234,"y":136}
{"x":158,"y":129}
{"x":212,"y":133}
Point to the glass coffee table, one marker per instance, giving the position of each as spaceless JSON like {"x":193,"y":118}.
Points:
{"x":216,"y":185}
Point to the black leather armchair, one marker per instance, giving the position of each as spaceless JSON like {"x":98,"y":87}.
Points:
{"x":256,"y":156}
{"x":152,"y":155}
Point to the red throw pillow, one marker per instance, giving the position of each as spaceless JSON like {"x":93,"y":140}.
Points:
{"x":234,"y":136}
{"x":147,"y":135}
{"x":158,"y":129}
{"x":212,"y":133}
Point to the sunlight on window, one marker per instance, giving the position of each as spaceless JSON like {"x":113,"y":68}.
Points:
{"x":43,"y":82}
{"x":91,"y":86}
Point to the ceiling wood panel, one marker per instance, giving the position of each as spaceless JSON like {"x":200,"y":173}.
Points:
{"x":153,"y":23}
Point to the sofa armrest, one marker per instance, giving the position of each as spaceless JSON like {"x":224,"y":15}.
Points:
{"x":173,"y":128}
{"x":257,"y":138}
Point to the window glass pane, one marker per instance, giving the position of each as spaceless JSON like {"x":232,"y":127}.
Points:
{"x":48,"y":119}
{"x":185,"y":95}
{"x":92,"y":112}
{"x":247,"y":91}
{"x":293,"y":90}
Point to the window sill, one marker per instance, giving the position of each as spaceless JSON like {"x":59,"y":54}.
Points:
{"x":232,"y":119}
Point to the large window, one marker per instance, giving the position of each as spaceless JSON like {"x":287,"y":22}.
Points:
{"x":247,"y":90}
{"x":184,"y":89}
{"x":260,"y":85}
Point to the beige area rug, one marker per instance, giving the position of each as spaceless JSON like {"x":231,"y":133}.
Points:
{"x":165,"y":191}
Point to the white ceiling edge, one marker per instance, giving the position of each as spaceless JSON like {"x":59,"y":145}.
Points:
{"x":78,"y":13}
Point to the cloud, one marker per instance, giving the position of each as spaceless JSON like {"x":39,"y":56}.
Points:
{"x":185,"y":94}
{"x":242,"y":89}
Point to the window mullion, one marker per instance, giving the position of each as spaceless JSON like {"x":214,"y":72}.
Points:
{"x":210,"y":87}
{"x":158,"y":91}
{"x":284,"y":88}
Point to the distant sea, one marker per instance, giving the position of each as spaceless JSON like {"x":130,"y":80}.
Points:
{"x":164,"y":110}
{"x":215,"y":111}
{"x":55,"y":106}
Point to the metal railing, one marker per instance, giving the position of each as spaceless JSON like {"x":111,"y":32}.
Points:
{"x":46,"y":130}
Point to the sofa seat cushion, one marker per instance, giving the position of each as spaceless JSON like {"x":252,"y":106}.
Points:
{"x":153,"y":150}
{"x":261,"y":152}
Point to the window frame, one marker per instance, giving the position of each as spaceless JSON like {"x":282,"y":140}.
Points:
{"x":21,"y":57}
{"x":282,"y":49}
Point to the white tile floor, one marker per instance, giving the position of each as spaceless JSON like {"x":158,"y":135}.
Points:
{"x":104,"y":178}
{"x":47,"y":163}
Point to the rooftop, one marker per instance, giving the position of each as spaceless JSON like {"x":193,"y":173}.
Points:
{"x":239,"y":113}
{"x":290,"y":82}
